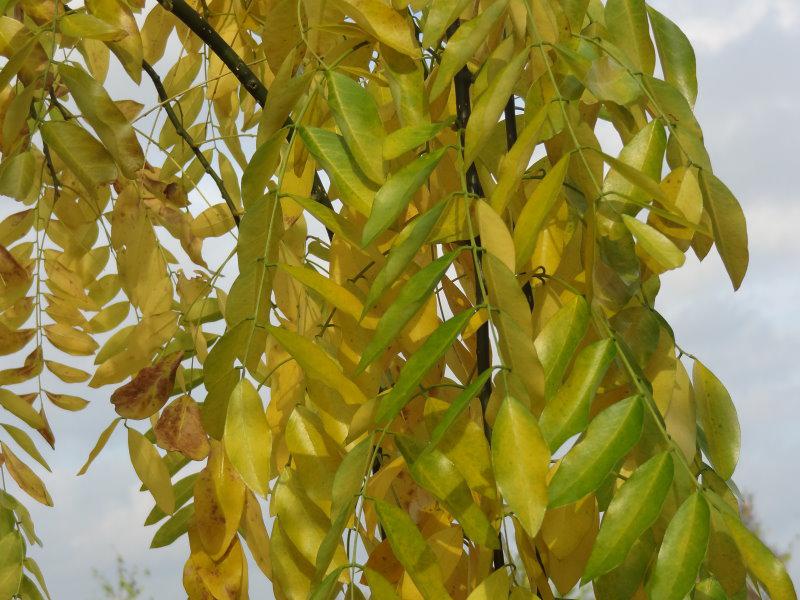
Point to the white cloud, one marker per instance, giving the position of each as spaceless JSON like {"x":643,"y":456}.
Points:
{"x":715,"y":24}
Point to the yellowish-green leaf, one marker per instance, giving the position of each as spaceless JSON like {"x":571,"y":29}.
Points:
{"x":151,"y":470}
{"x":675,"y":54}
{"x":317,"y":364}
{"x":82,"y":25}
{"x":357,"y":117}
{"x":558,"y":340}
{"x":26,"y":479}
{"x":536,"y":210}
{"x":393,"y":197}
{"x":20,"y":408}
{"x":609,"y":437}
{"x":247,"y":437}
{"x":494,"y":587}
{"x":730,"y":229}
{"x":418,"y":365}
{"x":682,"y":550}
{"x":464,"y":43}
{"x":12,"y":554}
{"x":567,"y":413}
{"x":717,"y":416}
{"x":101,"y":443}
{"x":408,"y":138}
{"x":521,"y":460}
{"x":412,"y":551}
{"x":655,"y":243}
{"x":760,"y":561}
{"x":626,"y":21}
{"x":632,"y":511}
{"x":85,"y":156}
{"x":26,"y":443}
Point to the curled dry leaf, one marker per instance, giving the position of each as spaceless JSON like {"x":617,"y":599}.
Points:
{"x":179,"y":429}
{"x":149,"y":390}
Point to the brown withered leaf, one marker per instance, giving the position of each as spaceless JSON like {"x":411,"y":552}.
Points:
{"x":149,"y":390}
{"x":179,"y":429}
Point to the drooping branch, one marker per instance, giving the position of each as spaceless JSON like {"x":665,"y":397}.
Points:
{"x":181,"y":130}
{"x":249,"y":80}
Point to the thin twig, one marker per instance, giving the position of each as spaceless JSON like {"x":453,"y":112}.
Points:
{"x":179,"y":128}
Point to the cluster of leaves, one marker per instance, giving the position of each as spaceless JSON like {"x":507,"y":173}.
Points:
{"x":438,"y":358}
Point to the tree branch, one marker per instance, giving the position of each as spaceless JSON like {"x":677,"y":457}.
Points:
{"x":176,"y":123}
{"x":510,"y":113}
{"x":249,"y":80}
{"x":463,"y":82}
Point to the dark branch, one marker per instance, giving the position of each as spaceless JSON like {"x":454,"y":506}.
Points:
{"x":463,"y":82}
{"x":176,"y":123}
{"x":510,"y":113}
{"x":249,"y":80}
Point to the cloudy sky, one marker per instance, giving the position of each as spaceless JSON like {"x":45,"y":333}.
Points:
{"x":748,"y":106}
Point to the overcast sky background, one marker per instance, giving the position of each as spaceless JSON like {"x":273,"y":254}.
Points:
{"x":747,"y":53}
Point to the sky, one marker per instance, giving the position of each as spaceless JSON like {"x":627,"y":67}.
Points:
{"x":748,"y":107}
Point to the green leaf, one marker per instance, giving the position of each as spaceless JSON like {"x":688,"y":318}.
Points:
{"x":436,"y":473}
{"x":490,"y":104}
{"x":457,"y":407}
{"x":558,"y":340}
{"x":717,"y":416}
{"x":331,"y":152}
{"x":521,"y":460}
{"x":151,"y":470}
{"x":634,"y":177}
{"x":414,"y":294}
{"x":183,"y":490}
{"x":412,"y":551}
{"x":655,"y":243}
{"x":463,"y":45}
{"x":12,"y":553}
{"x":26,"y":443}
{"x":381,"y":589}
{"x":536,"y":209}
{"x":247,"y":438}
{"x":760,"y":560}
{"x":408,"y":138}
{"x":173,"y":528}
{"x":682,"y":550}
{"x":729,"y":226}
{"x":567,"y":413}
{"x":261,"y":168}
{"x":356,"y":114}
{"x":709,"y":589}
{"x":632,"y":511}
{"x":415,"y":369}
{"x":393,"y":197}
{"x":106,"y":119}
{"x":626,"y":21}
{"x":402,"y":253}
{"x":609,"y":437}
{"x":675,"y":54}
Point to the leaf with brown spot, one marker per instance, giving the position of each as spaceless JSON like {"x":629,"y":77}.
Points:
{"x":146,"y":393}
{"x":179,"y":429}
{"x":30,"y":368}
{"x":219,"y":497}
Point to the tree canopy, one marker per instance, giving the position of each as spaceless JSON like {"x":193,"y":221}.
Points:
{"x":371,"y":289}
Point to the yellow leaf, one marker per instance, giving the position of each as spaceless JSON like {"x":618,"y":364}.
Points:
{"x":66,"y":401}
{"x":25,"y":478}
{"x":521,"y":460}
{"x":247,"y":437}
{"x":151,"y":470}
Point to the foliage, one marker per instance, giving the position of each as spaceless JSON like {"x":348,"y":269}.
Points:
{"x":125,"y":583}
{"x":371,"y":262}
